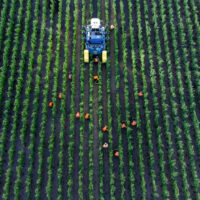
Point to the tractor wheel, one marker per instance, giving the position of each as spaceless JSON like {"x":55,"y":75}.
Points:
{"x":86,"y":56}
{"x":104,"y":56}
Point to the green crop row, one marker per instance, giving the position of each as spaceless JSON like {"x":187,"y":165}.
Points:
{"x":15,"y":125}
{"x":91,"y":187}
{"x":194,"y":18}
{"x":72,"y":122}
{"x":21,"y":153}
{"x":90,"y":137}
{"x":8,"y":45}
{"x":100,"y":114}
{"x":126,"y":93}
{"x":4,"y":69}
{"x":8,"y":101}
{"x":193,"y":51}
{"x":147,"y":112}
{"x":192,"y":106}
{"x":172,"y":97}
{"x":63,"y":103}
{"x":120,"y":149}
{"x":110,"y":141}
{"x":193,"y":65}
{"x":108,"y":75}
{"x":11,"y":79}
{"x":184,"y":108}
{"x":54,"y":100}
{"x":17,"y":97}
{"x":163,"y":89}
{"x":35,"y":110}
{"x":82,"y":82}
{"x":139,"y":133}
{"x":3,"y":19}
{"x":166,"y":117}
{"x":44,"y":113}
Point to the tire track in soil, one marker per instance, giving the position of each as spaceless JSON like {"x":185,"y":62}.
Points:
{"x":122,"y":107}
{"x":86,"y":122}
{"x":115,"y":137}
{"x":106,"y":164}
{"x":95,"y":131}
{"x":77,"y":100}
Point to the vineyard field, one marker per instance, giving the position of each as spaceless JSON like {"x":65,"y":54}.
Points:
{"x":53,"y":114}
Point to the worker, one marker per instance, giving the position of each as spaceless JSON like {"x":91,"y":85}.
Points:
{"x":140,"y":94}
{"x":70,"y":76}
{"x":50,"y":104}
{"x":123,"y":126}
{"x":133,"y":123}
{"x":105,"y":128}
{"x":112,"y":27}
{"x":96,"y":78}
{"x":116,"y":153}
{"x":105,"y":145}
{"x":77,"y":115}
{"x":60,"y":95}
{"x":87,"y":116}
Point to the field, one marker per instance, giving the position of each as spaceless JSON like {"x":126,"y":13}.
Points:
{"x":47,"y":153}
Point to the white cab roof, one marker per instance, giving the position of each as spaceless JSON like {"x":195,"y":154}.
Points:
{"x":95,"y":23}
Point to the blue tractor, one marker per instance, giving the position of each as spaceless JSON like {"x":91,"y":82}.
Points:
{"x":95,"y":41}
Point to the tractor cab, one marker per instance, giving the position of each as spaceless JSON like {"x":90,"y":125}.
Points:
{"x":95,"y":40}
